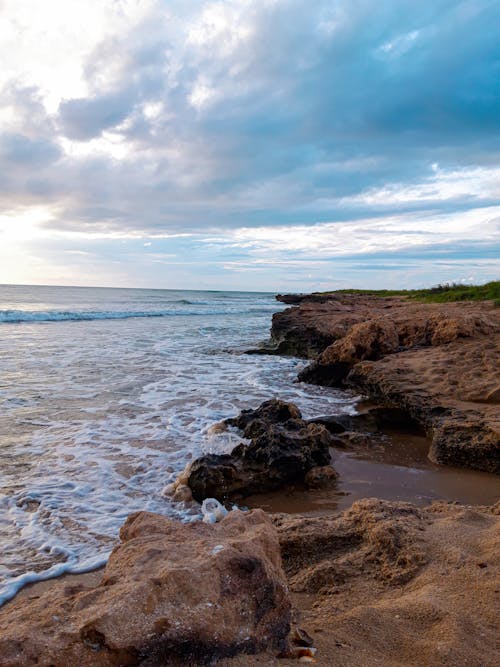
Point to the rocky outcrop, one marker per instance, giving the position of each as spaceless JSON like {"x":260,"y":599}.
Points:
{"x":397,"y":331}
{"x":446,"y":390}
{"x":283,"y":448}
{"x":305,"y":331}
{"x":438,"y":363}
{"x":372,"y":339}
{"x":386,"y":583}
{"x":171,"y":594}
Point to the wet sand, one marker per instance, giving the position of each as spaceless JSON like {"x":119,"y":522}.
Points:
{"x":395,"y":467}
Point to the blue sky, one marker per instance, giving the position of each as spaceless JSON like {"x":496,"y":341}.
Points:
{"x":252,"y":144}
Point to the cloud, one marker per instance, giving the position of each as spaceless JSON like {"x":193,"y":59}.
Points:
{"x":229,"y":118}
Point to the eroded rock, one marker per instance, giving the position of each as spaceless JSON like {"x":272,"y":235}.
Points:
{"x":373,"y":539}
{"x":282,"y":450}
{"x":171,"y":594}
{"x":435,"y":363}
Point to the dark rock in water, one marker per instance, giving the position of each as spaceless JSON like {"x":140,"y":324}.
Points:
{"x":283,"y":449}
{"x":171,"y":594}
{"x":325,"y":374}
{"x":320,"y":476}
{"x":369,"y":421}
{"x":333,"y":424}
{"x":273,"y":411}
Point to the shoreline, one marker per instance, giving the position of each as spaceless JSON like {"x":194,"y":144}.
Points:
{"x":315,"y":610}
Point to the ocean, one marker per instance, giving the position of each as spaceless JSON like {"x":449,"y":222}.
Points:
{"x":105,"y":395}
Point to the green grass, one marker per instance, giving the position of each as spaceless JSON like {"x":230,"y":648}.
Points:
{"x":437,"y":294}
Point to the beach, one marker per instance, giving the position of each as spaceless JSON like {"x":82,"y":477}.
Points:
{"x":400,"y":545}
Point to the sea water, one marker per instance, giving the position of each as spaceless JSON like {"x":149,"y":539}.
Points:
{"x":105,"y":395}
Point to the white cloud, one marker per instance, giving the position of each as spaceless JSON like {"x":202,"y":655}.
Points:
{"x":398,"y":45}
{"x":46,"y":44}
{"x":367,"y":236}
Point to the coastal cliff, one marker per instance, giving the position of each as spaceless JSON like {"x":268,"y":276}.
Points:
{"x":437,"y":362}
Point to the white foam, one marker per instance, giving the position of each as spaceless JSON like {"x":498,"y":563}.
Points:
{"x":9,"y":589}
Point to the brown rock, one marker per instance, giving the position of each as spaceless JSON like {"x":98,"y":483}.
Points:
{"x":450,"y":329}
{"x":371,"y":339}
{"x":444,"y":389}
{"x":438,"y":363}
{"x":171,"y":594}
{"x":374,"y":538}
{"x":320,"y":476}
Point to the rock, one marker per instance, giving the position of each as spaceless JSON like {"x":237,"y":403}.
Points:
{"x":291,"y":299}
{"x":307,"y":329}
{"x":450,"y":329}
{"x":273,"y":411}
{"x":320,"y":476}
{"x":434,"y":364}
{"x":283,"y":449}
{"x":368,"y":421}
{"x":183,"y":494}
{"x":178,"y":490}
{"x":325,"y":374}
{"x":374,"y":538}
{"x":371,"y":339}
{"x":293,"y":332}
{"x":434,"y":386}
{"x":391,"y":584}
{"x":461,"y":440}
{"x":171,"y":594}
{"x":333,"y":424}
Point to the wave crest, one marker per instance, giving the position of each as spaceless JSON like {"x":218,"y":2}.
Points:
{"x":26,"y":316}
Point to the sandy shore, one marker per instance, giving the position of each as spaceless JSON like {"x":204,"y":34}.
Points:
{"x":383,"y":582}
{"x":421,"y":588}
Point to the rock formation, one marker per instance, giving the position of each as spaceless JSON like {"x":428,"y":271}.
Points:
{"x":283,"y":448}
{"x":389,"y":584}
{"x":436,"y":362}
{"x":171,"y":594}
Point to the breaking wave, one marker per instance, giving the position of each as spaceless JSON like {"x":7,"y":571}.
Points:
{"x":20,"y":316}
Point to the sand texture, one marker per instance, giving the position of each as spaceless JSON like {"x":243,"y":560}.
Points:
{"x":392,"y":585}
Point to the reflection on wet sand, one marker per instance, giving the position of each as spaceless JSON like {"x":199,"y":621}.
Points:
{"x":393,"y":467}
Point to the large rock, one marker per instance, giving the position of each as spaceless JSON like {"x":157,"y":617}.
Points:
{"x":171,"y":594}
{"x":372,"y":339}
{"x":282,"y":450}
{"x":438,"y":363}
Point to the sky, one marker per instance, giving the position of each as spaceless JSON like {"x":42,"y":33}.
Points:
{"x":249,"y":144}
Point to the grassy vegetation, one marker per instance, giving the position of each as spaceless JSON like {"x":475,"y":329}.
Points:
{"x":439,"y":293}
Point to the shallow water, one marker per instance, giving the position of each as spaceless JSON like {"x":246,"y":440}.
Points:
{"x":395,"y":468}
